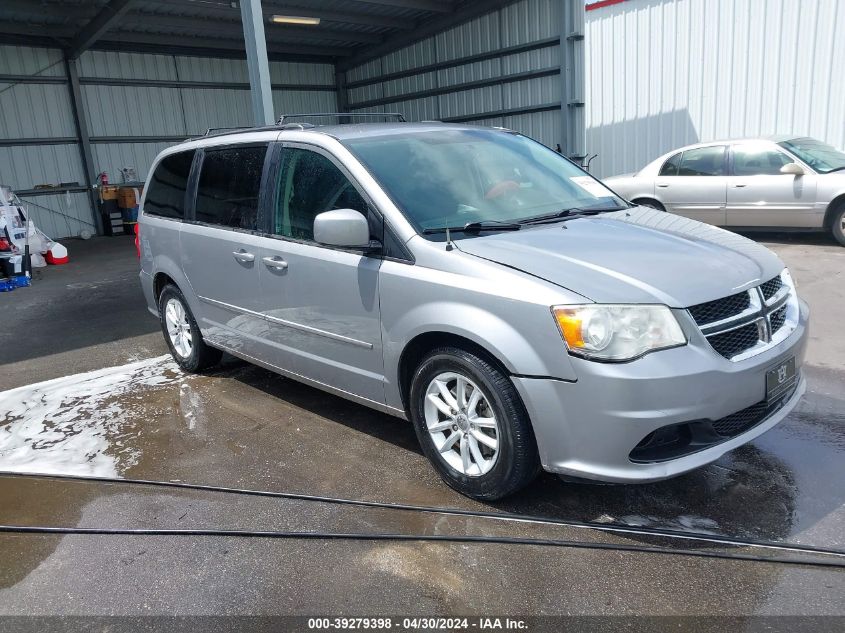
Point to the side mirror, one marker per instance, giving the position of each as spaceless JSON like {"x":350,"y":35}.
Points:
{"x":346,"y":228}
{"x":793,"y":169}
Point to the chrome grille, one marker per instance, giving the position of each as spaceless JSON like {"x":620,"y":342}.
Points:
{"x":748,"y":322}
{"x":778,"y":318}
{"x":712,"y":311}
{"x":734,"y":342}
{"x":771,"y":287}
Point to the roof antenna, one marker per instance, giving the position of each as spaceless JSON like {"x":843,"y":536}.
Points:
{"x":448,"y":238}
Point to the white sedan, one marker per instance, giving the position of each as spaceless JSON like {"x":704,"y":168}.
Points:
{"x":773,"y":183}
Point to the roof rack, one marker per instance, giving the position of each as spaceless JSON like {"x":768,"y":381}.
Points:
{"x":218,"y":130}
{"x":364,"y":115}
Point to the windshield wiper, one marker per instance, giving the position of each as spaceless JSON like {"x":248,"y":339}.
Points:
{"x":573,"y":212}
{"x":474,"y":227}
{"x":830,"y":171}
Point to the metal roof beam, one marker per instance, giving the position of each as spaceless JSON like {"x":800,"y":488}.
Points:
{"x":99,"y":24}
{"x":127,"y":39}
{"x":425,"y":29}
{"x":437,"y":6}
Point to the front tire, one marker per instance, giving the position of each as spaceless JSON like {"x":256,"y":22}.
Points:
{"x":182,"y":333}
{"x":837,"y":227}
{"x":472,"y":425}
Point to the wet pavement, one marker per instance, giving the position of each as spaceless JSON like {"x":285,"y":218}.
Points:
{"x":243,"y":427}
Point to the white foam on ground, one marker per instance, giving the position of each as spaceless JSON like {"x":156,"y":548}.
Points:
{"x":72,"y":425}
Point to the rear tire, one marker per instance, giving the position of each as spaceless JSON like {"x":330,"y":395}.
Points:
{"x":182,"y":333}
{"x":651,"y":204}
{"x":837,"y":226}
{"x":472,"y":425}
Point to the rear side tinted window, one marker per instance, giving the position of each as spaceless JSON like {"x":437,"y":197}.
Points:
{"x":166,"y":189}
{"x":670,"y":167}
{"x":703,"y":161}
{"x":229,"y":185}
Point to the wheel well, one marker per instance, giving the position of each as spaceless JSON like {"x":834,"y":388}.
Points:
{"x":832,"y":208}
{"x":422,"y":344}
{"x":159,"y":282}
{"x":647,"y":199}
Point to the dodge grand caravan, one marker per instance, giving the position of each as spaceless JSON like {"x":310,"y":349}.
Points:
{"x":470,"y":280}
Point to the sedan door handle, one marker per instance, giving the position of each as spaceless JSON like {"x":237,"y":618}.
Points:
{"x":243,"y":256}
{"x":663,"y":185}
{"x":275,"y":262}
{"x":740,"y":185}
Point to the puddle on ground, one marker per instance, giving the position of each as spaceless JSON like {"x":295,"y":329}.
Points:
{"x":78,"y":425}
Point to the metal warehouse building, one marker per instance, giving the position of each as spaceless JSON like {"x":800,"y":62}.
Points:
{"x":666,"y":73}
{"x":92,"y":86}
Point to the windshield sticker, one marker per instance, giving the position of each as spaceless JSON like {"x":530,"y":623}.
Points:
{"x":592,"y":186}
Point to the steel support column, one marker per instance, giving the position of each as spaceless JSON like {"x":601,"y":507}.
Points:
{"x":342,"y":93}
{"x":573,"y":125}
{"x":256,"y":59}
{"x":84,"y":140}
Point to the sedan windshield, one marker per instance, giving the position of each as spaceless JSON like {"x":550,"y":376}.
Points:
{"x":487,"y":179}
{"x":820,"y":156}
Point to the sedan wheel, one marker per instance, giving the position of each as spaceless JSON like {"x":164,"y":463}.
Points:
{"x":461,"y":424}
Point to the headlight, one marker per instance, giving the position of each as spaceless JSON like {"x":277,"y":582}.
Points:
{"x":617,"y":332}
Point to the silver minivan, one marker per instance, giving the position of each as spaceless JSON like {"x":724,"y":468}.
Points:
{"x":476,"y":283}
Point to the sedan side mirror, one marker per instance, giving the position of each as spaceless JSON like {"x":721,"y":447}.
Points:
{"x":793,"y":169}
{"x":346,"y":228}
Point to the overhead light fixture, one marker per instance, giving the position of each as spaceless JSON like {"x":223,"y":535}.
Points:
{"x":294,"y":19}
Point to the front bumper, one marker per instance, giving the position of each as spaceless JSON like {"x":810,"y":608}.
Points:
{"x":588,"y":428}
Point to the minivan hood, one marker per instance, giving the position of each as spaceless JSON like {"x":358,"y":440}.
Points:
{"x":637,"y":255}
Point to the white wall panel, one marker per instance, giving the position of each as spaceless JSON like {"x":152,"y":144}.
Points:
{"x":477,"y":36}
{"x":215,"y":108}
{"x":133,"y":110}
{"x":664,"y":73}
{"x":465,"y":102}
{"x":303,"y":101}
{"x":23,"y":60}
{"x":541,"y":126}
{"x":531,"y":20}
{"x":113,"y":64}
{"x":301,"y":73}
{"x":35,"y":110}
{"x":24,"y":167}
{"x":520,"y":23}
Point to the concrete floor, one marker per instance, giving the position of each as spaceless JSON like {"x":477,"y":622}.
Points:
{"x":244,"y":427}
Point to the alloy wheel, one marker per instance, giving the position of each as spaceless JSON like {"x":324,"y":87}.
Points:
{"x":178,"y":327}
{"x":461,"y":424}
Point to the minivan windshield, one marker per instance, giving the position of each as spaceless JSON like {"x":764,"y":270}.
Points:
{"x":483,"y":178}
{"x":820,"y":156}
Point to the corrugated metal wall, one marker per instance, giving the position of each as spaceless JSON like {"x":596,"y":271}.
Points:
{"x":507,"y":96}
{"x":128,"y":124}
{"x":665,"y":73}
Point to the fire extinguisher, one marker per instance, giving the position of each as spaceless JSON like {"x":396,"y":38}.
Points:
{"x":104,"y":179}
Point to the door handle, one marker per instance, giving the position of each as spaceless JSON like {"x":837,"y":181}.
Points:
{"x":740,"y":185}
{"x":663,"y":185}
{"x":275,"y":262}
{"x":243,"y":256}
